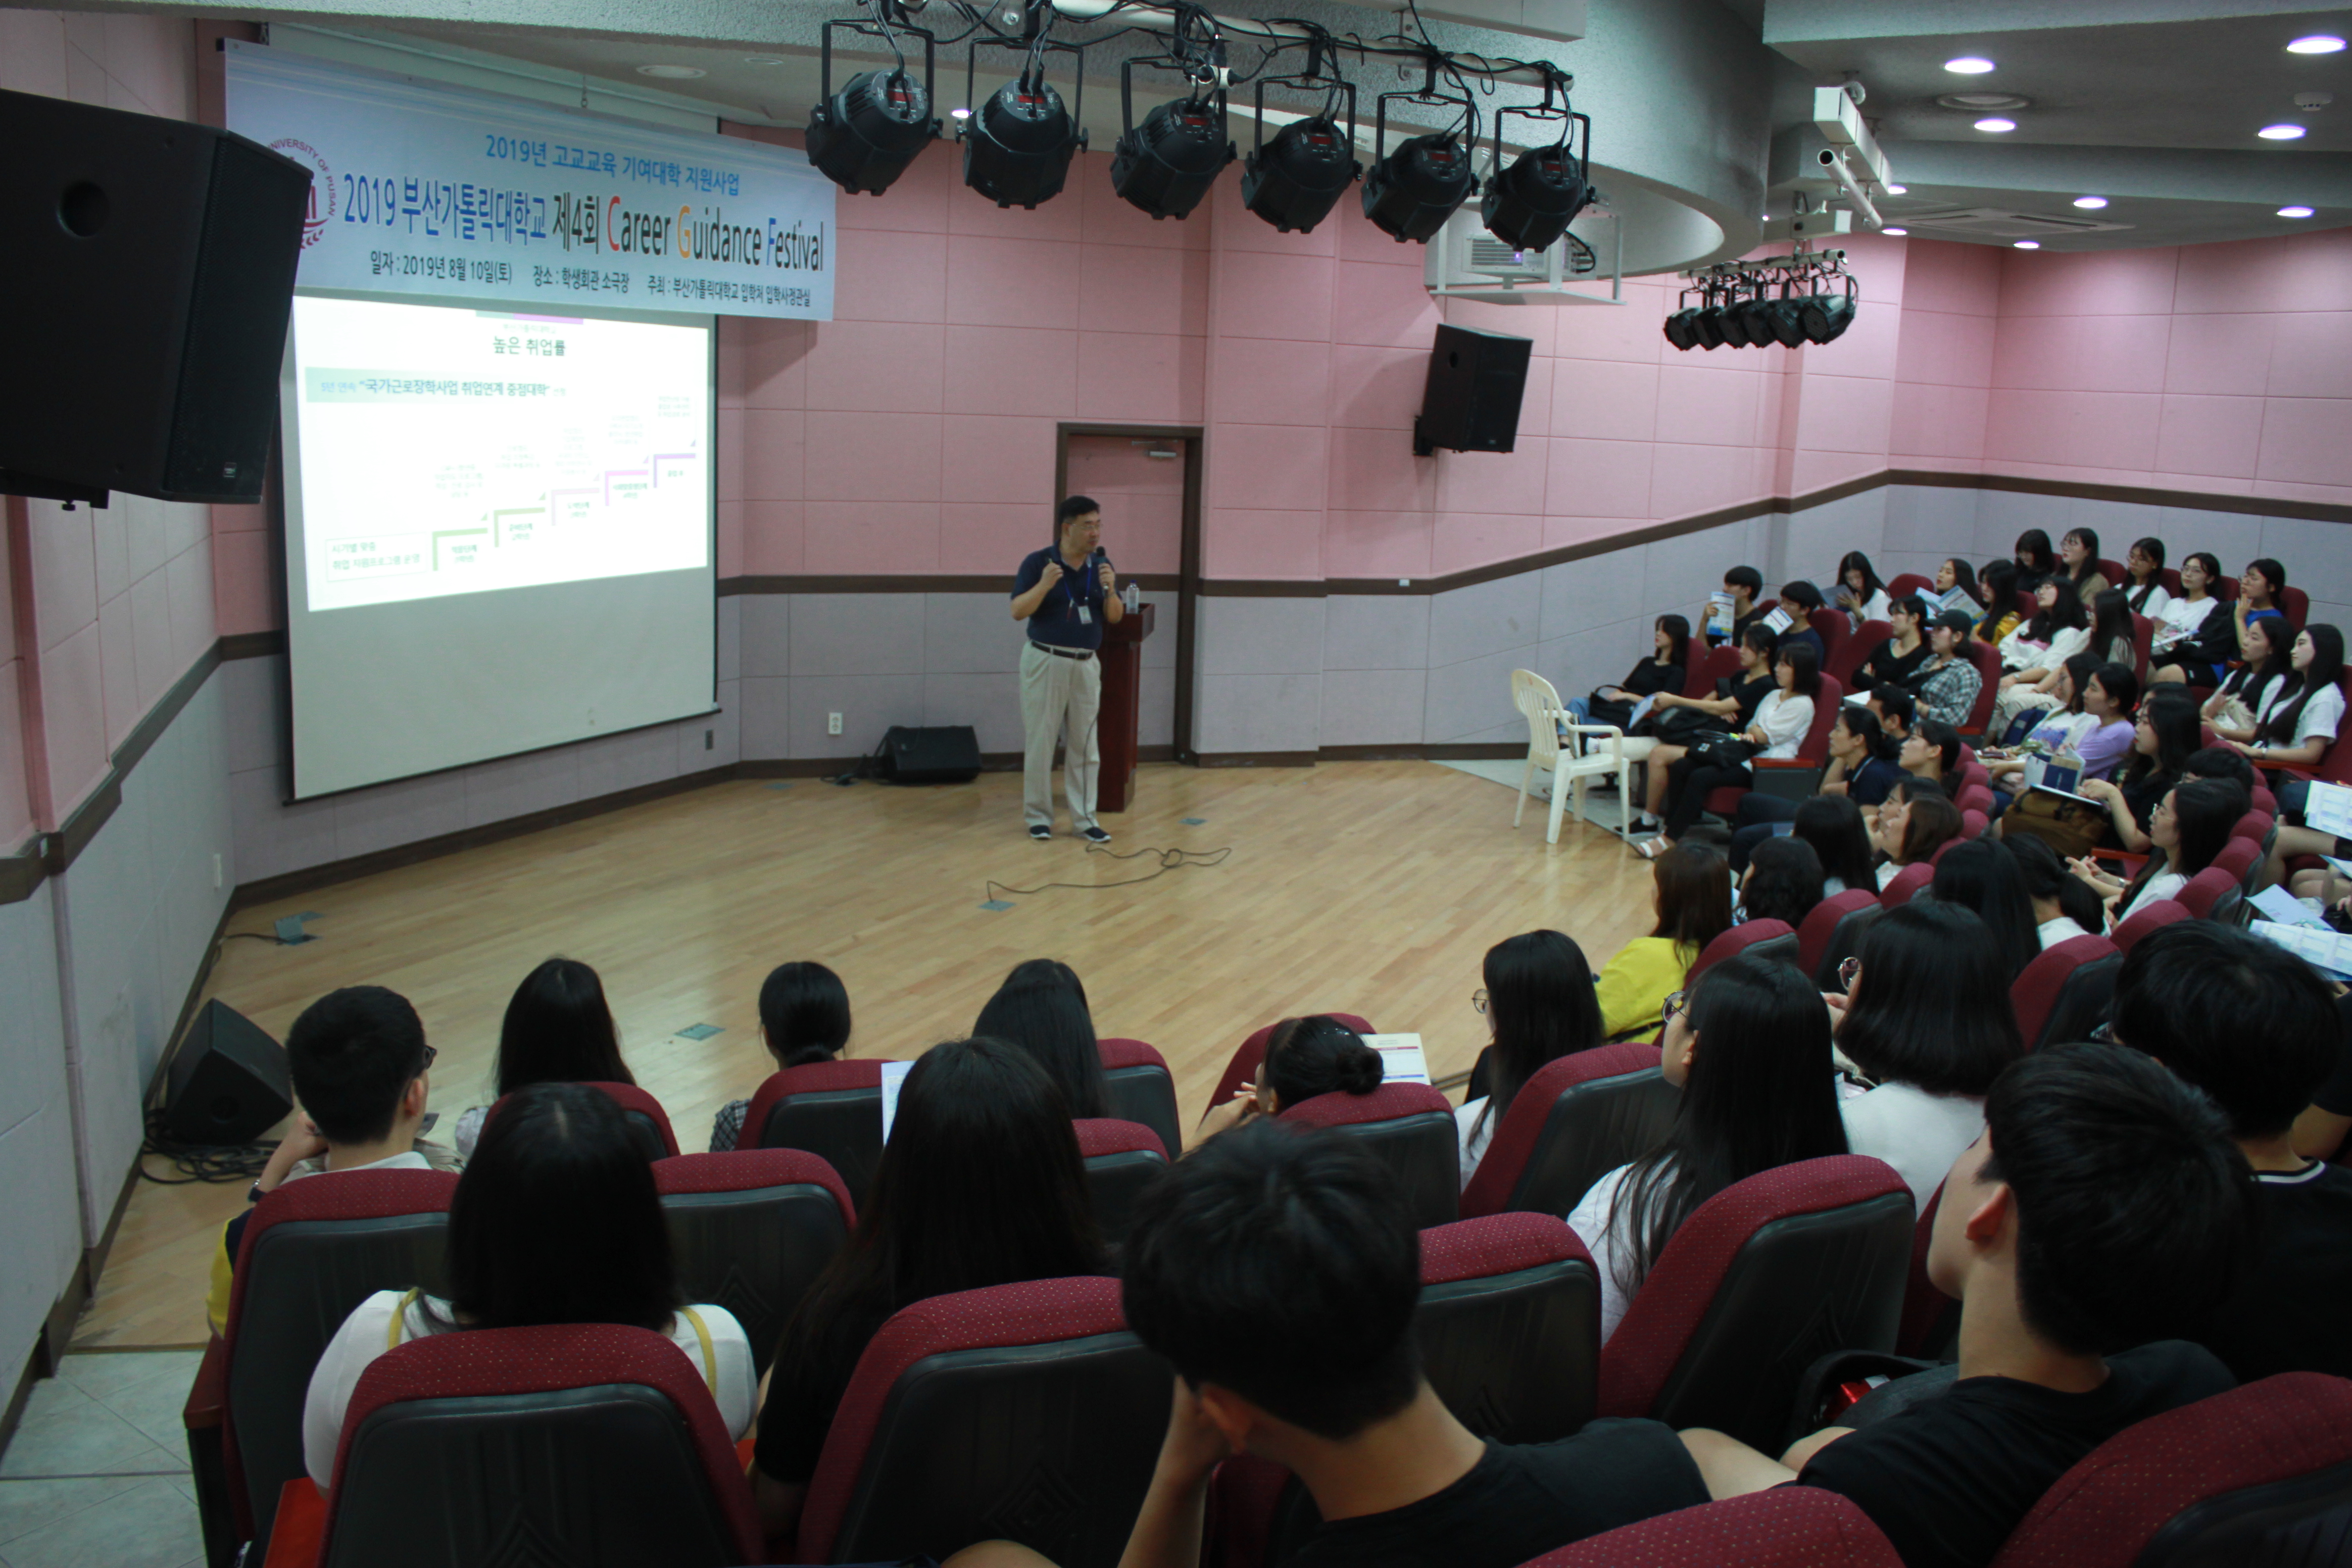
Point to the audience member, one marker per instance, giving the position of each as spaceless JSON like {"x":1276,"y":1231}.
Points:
{"x":2254,"y":1027}
{"x":1726,"y":710}
{"x":1663,"y":671}
{"x":2237,"y":705}
{"x":2188,"y":828}
{"x":2300,"y":721}
{"x":1998,"y":586}
{"x":1750,"y":1055}
{"x":1947,"y":682}
{"x":1897,"y":709}
{"x":1305,"y":1057}
{"x":1540,"y":1004}
{"x":2078,"y":563}
{"x":2321,"y":1129}
{"x":1860,"y":593}
{"x":1743,"y":583}
{"x":803,"y":1020}
{"x":1956,"y":573}
{"x":1279,"y":1276}
{"x":1799,"y":599}
{"x":1782,"y":720}
{"x":2063,"y":907}
{"x":2258,"y":597}
{"x":1926,"y":1022}
{"x":558,"y":1029}
{"x":2112,"y":636}
{"x":1916,"y":820}
{"x":2035,"y":653}
{"x":2036,"y":562}
{"x":1932,"y":752}
{"x":2191,"y":643}
{"x":1862,"y":767}
{"x":1690,"y":889}
{"x":1784,"y":882}
{"x":2103,"y":1209}
{"x":1897,"y":660}
{"x":2163,"y":738}
{"x":1983,"y":877}
{"x":556,"y":1220}
{"x":2144,"y":591}
{"x":1839,"y":834}
{"x":981,"y":1184}
{"x":358,"y":1063}
{"x":1042,"y":1008}
{"x":2056,"y":730}
{"x":2224,"y":764}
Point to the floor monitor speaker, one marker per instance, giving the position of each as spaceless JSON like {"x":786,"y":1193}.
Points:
{"x":151,"y":265}
{"x":947,"y":754}
{"x":228,"y":1083}
{"x":1471,"y":401}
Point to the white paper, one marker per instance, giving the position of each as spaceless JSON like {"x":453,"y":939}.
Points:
{"x":1721,"y":615}
{"x":1401,"y":1057}
{"x":1778,"y":619}
{"x":2316,"y":945}
{"x":893,"y":1074}
{"x":2328,"y":809}
{"x":2275,"y":903}
{"x":1641,"y":709}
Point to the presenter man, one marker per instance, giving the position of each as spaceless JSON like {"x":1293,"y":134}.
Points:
{"x":1065,"y":594}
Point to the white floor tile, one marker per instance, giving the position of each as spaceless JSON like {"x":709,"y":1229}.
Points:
{"x":150,"y":1525}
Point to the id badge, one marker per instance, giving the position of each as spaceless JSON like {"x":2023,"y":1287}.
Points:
{"x":1085,"y":616}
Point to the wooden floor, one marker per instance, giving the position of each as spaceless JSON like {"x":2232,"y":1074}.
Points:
{"x":1369,"y":887}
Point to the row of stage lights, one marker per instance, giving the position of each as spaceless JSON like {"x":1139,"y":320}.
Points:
{"x":1018,"y":145}
{"x":1815,"y":301}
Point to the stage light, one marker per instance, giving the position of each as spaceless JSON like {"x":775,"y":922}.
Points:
{"x":1413,"y":191}
{"x":1166,"y":165}
{"x":2294,"y":212}
{"x":1968,"y":65}
{"x":1529,"y":204}
{"x":2281,"y":132}
{"x":1018,"y":145}
{"x":863,"y":137}
{"x":1994,"y":122}
{"x":2090,"y":203}
{"x":1293,"y":181}
{"x":2318,"y":44}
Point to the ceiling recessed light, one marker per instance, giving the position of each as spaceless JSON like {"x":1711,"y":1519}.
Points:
{"x":1895,"y":231}
{"x":2281,"y":132}
{"x":959,"y":114}
{"x":2294,"y":212}
{"x":1899,"y":190}
{"x":1968,"y":65}
{"x":1996,"y":124}
{"x":2025,"y":243}
{"x":2318,"y":44}
{"x":763,"y":59}
{"x":2091,"y":203}
{"x":672,"y":73}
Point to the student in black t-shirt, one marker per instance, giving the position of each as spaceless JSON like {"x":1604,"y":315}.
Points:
{"x":1278,"y":1271}
{"x":2103,"y":1207}
{"x":2320,"y":1130}
{"x":2254,"y":1027}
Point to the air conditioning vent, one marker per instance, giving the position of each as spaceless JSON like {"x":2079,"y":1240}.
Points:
{"x":2000,"y":223}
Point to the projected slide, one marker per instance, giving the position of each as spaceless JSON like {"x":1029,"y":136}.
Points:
{"x":447,"y":451}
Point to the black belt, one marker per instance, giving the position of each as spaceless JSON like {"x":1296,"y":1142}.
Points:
{"x":1078,"y":653}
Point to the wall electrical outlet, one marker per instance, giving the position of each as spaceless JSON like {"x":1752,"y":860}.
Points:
{"x":710,"y":739}
{"x":833,"y":724}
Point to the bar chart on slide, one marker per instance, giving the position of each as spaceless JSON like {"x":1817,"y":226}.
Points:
{"x":445,"y":450}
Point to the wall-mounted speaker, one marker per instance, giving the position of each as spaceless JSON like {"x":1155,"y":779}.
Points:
{"x":150,"y":269}
{"x":229,"y":1083}
{"x":1471,"y":400}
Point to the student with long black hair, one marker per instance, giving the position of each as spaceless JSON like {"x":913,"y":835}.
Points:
{"x":1917,"y":819}
{"x":2260,"y":591}
{"x":557,"y":1030}
{"x":1862,"y":768}
{"x":1732,"y":706}
{"x":2144,"y":568}
{"x":2237,"y":706}
{"x":1837,"y":829}
{"x":1540,"y":1004}
{"x":1981,"y":876}
{"x":803,"y":1018}
{"x":2078,"y":563}
{"x":1042,"y":1008}
{"x":1927,"y":1021}
{"x":2112,"y":636}
{"x":1748,"y":1054}
{"x":1663,"y":671}
{"x":981,"y":1184}
{"x":1897,"y":661}
{"x":2036,"y":561}
{"x":2163,"y":738}
{"x":2189,"y":827}
{"x":2035,"y":652}
{"x":1782,"y":720}
{"x":556,"y":1220}
{"x":1305,"y":1057}
{"x":2300,"y":721}
{"x":1860,"y":593}
{"x":1956,"y":573}
{"x":2064,"y":908}
{"x":1784,"y":882}
{"x":1998,"y":587}
{"x":2193,"y":636}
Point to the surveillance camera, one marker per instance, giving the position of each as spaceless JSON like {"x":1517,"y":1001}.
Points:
{"x":1855,"y":90}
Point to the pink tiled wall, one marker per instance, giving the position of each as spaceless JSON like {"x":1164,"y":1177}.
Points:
{"x":120,"y":601}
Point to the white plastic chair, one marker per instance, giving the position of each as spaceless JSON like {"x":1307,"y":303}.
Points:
{"x":1534,"y":696}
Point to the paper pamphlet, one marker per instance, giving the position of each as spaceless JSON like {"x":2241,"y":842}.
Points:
{"x":2061,"y":775}
{"x":1401,"y":1057}
{"x":1778,"y":619}
{"x":1641,"y":709}
{"x":2343,"y":868}
{"x":2275,"y":903}
{"x":2328,"y":809}
{"x":893,"y":1074}
{"x":1719,"y":616}
{"x":1956,"y":598}
{"x":2323,"y":949}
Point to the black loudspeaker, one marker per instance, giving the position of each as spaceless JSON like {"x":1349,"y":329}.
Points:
{"x":228,"y":1083}
{"x":152,"y":263}
{"x":948,"y":754}
{"x":1471,"y":402}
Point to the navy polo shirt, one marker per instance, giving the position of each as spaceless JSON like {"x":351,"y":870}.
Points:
{"x":1056,"y":622}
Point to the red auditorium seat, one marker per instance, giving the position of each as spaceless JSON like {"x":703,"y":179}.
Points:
{"x":1907,"y":884}
{"x":1509,"y":1325}
{"x":1720,"y":664}
{"x":1409,"y":1125}
{"x":2062,"y":996}
{"x":591,"y":1445}
{"x":2259,"y":1477}
{"x":1930,"y":1318}
{"x":833,"y":1110}
{"x":2114,"y":571}
{"x":750,"y":1229}
{"x":2297,"y":605}
{"x":2206,"y":891}
{"x":1833,"y":627}
{"x":1763,"y":1279}
{"x":1578,"y":1119}
{"x":1911,"y":582}
{"x":1789,"y":1526}
{"x":2150,"y":918}
{"x":1138,"y":1087}
{"x":2253,"y":824}
{"x":1120,"y":1157}
{"x":1859,"y":645}
{"x":1759,"y":938}
{"x":1242,"y":1071}
{"x":648,"y":1123}
{"x":2241,"y":858}
{"x":2143,"y":633}
{"x":1986,"y":659}
{"x":1695,"y":654}
{"x":313,"y":1250}
{"x":1814,"y":936}
{"x":1789,"y":778}
{"x":964,"y":1403}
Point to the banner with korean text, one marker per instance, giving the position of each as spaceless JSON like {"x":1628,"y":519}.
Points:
{"x":433,"y":191}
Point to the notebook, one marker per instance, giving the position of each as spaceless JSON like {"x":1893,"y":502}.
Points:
{"x":1401,"y":1057}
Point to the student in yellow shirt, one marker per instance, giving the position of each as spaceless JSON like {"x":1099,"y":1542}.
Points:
{"x":1690,"y":889}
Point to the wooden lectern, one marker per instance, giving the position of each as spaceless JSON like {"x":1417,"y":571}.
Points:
{"x":1122,"y":702}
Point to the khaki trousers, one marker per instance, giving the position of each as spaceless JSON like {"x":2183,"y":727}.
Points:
{"x":1053,"y":691}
